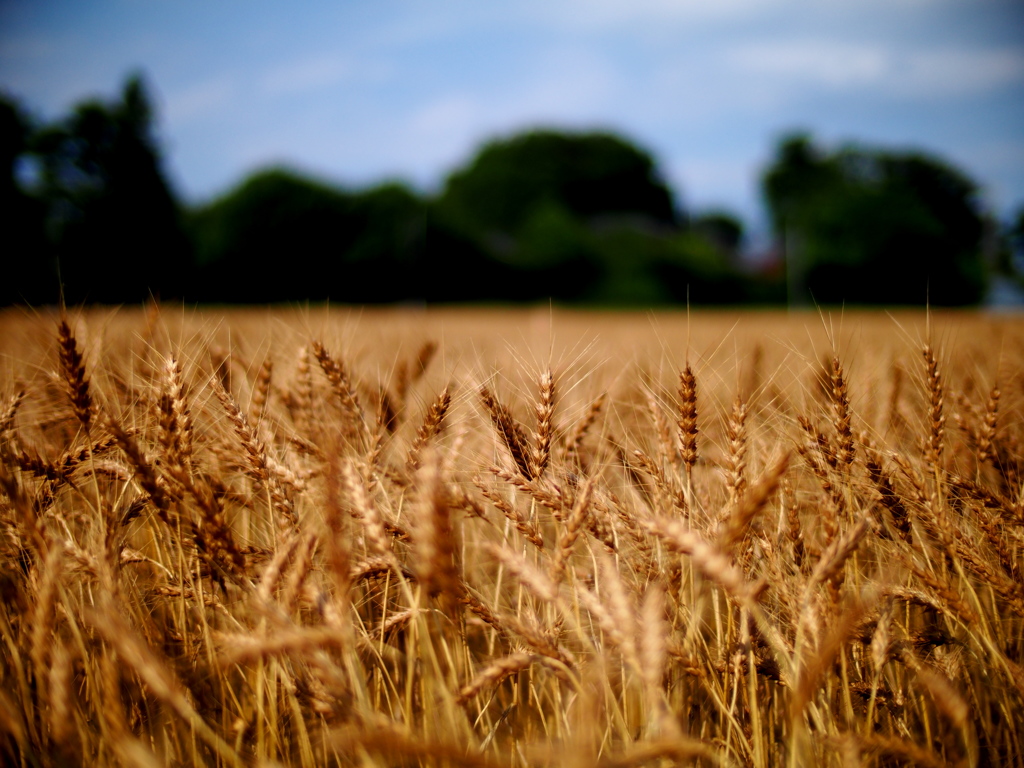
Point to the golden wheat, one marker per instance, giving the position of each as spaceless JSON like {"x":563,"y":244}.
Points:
{"x":213,"y":556}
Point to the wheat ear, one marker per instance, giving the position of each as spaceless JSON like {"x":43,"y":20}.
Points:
{"x":688,"y":418}
{"x":433,"y":423}
{"x":72,"y":368}
{"x":736,"y":460}
{"x":986,"y":436}
{"x":936,"y":419}
{"x":841,"y":414}
{"x":542,"y":437}
{"x":510,"y":432}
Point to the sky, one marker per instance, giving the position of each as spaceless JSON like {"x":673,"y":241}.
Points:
{"x":358,"y":92}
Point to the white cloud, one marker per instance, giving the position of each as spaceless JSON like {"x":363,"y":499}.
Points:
{"x":681,"y":16}
{"x":307,"y":74}
{"x":937,"y":72}
{"x":451,"y":114}
{"x":829,"y":62}
{"x":199,"y":100}
{"x":957,"y":71}
{"x":612,"y":14}
{"x":572,"y":82}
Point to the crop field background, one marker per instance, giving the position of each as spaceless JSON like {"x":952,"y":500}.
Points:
{"x":510,"y":538}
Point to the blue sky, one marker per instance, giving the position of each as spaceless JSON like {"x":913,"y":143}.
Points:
{"x":357,"y":92}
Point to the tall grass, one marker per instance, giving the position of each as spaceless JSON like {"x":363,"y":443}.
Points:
{"x":510,"y":539}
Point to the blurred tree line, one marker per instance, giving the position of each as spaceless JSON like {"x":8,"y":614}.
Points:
{"x":577,"y":217}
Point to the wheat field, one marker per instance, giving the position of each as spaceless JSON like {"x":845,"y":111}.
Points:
{"x":326,"y":536}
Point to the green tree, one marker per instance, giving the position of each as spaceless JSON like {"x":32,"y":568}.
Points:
{"x":875,"y":227}
{"x":541,"y":202}
{"x":113,"y":219}
{"x":721,"y":229}
{"x":280,"y":236}
{"x":26,"y":262}
{"x":275,"y":237}
{"x":1012,"y":253}
{"x":577,"y":218}
{"x":589,"y":174}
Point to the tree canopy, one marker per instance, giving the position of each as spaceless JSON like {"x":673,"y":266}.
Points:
{"x":589,"y":175}
{"x":113,"y":220}
{"x":27,"y":266}
{"x":578,"y":217}
{"x":871,"y":226}
{"x":584,"y":216}
{"x":574,"y":216}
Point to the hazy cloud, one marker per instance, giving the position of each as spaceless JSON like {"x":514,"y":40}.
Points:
{"x":831,"y":63}
{"x":203,"y":99}
{"x":450,"y":114}
{"x":961,"y":71}
{"x":837,"y":66}
{"x":307,"y":74}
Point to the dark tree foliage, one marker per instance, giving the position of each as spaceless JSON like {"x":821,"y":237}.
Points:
{"x":574,"y":217}
{"x":722,"y":229}
{"x":540,"y":203}
{"x":873,"y":227}
{"x":113,"y":220}
{"x":1009,"y":250}
{"x":1017,"y":230}
{"x":1013,"y":252}
{"x":386,"y":244}
{"x":283,"y":237}
{"x":584,"y":220}
{"x":588,"y":174}
{"x":273,"y":236}
{"x":26,"y":261}
{"x":571,"y":217}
